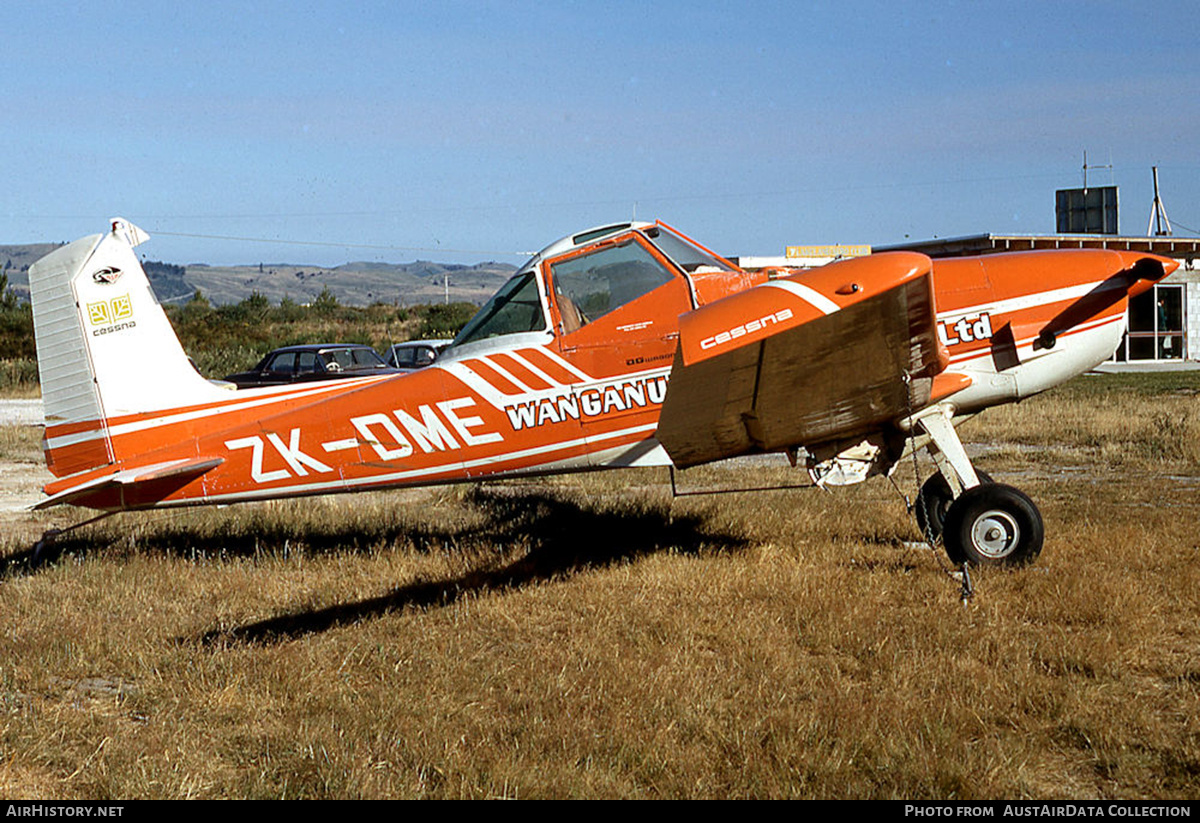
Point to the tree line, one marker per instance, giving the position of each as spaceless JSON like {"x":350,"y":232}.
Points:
{"x":233,"y":337}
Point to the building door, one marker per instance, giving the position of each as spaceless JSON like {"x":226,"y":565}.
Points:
{"x":1156,"y":326}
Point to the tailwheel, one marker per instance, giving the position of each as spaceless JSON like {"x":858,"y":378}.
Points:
{"x":992,"y":525}
{"x":933,"y":501}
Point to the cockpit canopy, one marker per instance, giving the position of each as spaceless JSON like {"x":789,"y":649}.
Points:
{"x":590,"y":274}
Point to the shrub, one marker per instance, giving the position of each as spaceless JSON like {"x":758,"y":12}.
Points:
{"x":445,"y":319}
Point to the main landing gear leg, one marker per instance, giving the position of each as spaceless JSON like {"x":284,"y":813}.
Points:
{"x":980,"y":522}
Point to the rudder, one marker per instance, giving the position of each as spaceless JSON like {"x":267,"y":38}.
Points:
{"x":105,"y":348}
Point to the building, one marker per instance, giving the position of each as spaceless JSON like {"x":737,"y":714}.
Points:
{"x":1164,"y":323}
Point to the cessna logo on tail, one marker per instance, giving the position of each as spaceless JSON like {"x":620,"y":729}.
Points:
{"x":108,"y":274}
{"x":109,"y":314}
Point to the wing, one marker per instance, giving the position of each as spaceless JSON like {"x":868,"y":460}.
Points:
{"x":803,"y":360}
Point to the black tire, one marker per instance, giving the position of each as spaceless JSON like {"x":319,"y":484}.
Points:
{"x":993,"y":525}
{"x":933,"y":501}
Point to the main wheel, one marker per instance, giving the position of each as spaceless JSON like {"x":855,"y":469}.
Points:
{"x":933,"y":501}
{"x":993,"y":525}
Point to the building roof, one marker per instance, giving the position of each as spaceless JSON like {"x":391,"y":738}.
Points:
{"x":1185,"y":247}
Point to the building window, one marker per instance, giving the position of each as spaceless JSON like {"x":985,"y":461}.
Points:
{"x":1156,"y":326}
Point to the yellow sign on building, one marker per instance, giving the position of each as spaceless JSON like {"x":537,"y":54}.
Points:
{"x":827,"y":251}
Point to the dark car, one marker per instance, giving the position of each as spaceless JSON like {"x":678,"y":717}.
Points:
{"x":416,"y":354}
{"x":299,"y":364}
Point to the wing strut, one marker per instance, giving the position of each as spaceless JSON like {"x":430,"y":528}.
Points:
{"x":675,"y":492}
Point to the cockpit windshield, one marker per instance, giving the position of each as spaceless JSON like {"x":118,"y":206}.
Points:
{"x":688,"y":256}
{"x":515,"y":308}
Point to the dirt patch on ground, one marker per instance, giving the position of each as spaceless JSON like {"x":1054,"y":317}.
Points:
{"x":21,"y":412}
{"x":22,"y":470}
{"x":20,"y":487}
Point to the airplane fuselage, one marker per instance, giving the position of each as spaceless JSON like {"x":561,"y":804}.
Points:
{"x":576,"y":389}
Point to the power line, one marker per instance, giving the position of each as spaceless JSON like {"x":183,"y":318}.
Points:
{"x":622,"y":201}
{"x":341,"y":245}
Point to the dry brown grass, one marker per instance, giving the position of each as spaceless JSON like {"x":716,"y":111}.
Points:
{"x":1149,"y":420}
{"x":21,"y":443}
{"x":20,"y":389}
{"x":584,"y":637}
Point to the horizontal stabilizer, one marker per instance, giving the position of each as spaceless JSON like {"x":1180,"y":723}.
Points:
{"x":862,"y":355}
{"x":132,"y":488}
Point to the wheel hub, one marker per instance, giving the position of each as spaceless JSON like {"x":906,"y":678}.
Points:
{"x":995,"y":533}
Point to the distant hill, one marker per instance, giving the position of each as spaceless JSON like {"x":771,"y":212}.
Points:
{"x":16,"y":260}
{"x":168,"y":281}
{"x":353,"y":284}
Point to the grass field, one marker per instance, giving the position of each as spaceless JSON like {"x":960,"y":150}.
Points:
{"x":586,"y":636}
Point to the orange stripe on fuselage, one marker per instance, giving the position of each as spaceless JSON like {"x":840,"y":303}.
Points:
{"x":135,"y":435}
{"x":258,"y":395}
{"x":551,"y":367}
{"x":489,"y":374}
{"x":520,"y":371}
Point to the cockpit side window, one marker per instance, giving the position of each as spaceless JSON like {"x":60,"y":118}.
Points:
{"x":686,"y":255}
{"x":591,"y":285}
{"x":515,"y":308}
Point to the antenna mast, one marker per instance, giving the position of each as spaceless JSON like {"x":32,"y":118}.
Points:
{"x":1158,"y":212}
{"x":1086,"y":167}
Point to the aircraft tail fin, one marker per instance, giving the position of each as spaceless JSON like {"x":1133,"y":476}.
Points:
{"x":106,"y":350}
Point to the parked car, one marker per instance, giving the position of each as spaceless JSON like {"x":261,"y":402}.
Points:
{"x":415,"y":354}
{"x":298,"y":364}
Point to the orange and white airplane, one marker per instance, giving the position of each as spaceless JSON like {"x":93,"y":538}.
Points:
{"x":625,"y":345}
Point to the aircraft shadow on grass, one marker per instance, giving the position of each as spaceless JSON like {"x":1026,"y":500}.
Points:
{"x":564,"y":537}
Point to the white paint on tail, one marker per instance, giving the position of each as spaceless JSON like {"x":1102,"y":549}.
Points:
{"x":105,"y":347}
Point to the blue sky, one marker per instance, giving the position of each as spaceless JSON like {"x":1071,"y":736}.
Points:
{"x":463,"y":131}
